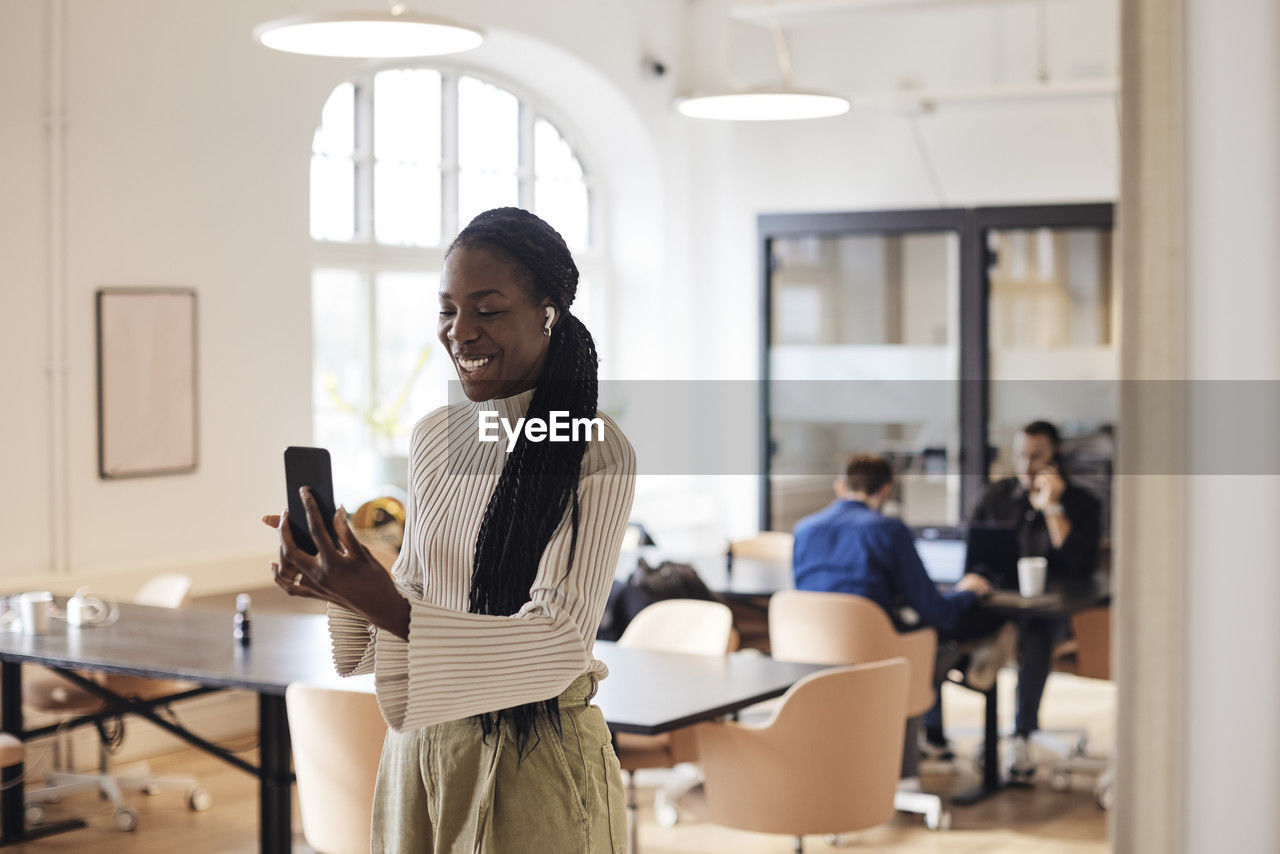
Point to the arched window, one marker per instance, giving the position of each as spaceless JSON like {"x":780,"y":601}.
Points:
{"x":403,"y":158}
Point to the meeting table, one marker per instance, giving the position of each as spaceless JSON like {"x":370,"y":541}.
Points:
{"x":646,"y":692}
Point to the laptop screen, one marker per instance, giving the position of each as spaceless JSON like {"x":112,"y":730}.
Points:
{"x":943,"y":559}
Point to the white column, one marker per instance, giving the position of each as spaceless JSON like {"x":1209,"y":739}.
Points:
{"x":1232,"y":75}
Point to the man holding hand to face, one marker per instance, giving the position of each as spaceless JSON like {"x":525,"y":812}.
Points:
{"x":1055,"y":520}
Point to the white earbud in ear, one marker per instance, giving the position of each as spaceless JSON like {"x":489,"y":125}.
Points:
{"x":551,"y":317}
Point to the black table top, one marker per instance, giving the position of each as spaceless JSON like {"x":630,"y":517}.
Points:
{"x":752,"y":578}
{"x":646,"y":692}
{"x":190,"y":643}
{"x":748,"y":578}
{"x":654,"y":692}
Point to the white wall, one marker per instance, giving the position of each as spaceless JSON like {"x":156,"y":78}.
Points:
{"x":187,"y":153}
{"x":1233,"y":216}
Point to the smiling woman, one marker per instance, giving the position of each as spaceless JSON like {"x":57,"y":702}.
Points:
{"x":480,"y":641}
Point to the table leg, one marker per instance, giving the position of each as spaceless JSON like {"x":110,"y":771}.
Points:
{"x":11,"y":806}
{"x":275,"y":789}
{"x":991,"y":780}
{"x":13,"y":829}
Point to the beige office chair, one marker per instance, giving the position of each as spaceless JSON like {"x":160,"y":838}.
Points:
{"x":1089,"y":656}
{"x":692,"y":626}
{"x":827,"y":761}
{"x":337,"y":740}
{"x":766,"y":545}
{"x":51,"y":694}
{"x":840,"y":628}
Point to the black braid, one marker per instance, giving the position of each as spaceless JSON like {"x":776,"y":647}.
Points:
{"x":539,"y":481}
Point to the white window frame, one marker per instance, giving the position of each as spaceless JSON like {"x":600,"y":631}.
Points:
{"x":365,"y":257}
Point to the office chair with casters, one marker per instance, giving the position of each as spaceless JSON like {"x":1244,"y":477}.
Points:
{"x":337,"y":741}
{"x":51,"y":694}
{"x":1091,"y":659}
{"x":691,"y":626}
{"x":827,"y":762}
{"x":841,"y":628}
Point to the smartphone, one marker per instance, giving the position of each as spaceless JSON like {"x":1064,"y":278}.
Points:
{"x":308,"y":467}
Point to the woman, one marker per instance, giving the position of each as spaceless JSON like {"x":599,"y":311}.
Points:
{"x":480,"y":639}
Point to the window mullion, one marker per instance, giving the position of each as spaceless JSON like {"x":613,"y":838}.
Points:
{"x":364,"y":160}
{"x":524,"y":171}
{"x":371,"y":377}
{"x":449,"y":158}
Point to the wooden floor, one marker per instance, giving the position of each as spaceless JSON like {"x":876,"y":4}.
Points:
{"x":1024,"y":821}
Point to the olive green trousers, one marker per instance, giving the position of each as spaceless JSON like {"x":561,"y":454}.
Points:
{"x":448,"y":788}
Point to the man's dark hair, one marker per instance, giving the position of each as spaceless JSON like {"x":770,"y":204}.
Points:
{"x":1046,"y":429}
{"x":868,"y":473}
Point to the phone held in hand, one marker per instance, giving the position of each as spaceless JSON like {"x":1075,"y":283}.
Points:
{"x":308,"y":467}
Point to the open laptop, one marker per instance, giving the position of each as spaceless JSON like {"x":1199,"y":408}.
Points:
{"x":942,"y":550}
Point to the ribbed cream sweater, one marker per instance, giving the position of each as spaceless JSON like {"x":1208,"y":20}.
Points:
{"x":457,"y":664}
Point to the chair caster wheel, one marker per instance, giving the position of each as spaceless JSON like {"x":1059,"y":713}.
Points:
{"x":666,"y":814}
{"x":199,"y":800}
{"x":126,"y":819}
{"x":1060,"y":781}
{"x":940,"y":823}
{"x":34,"y":814}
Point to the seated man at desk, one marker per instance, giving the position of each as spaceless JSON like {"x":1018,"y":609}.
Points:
{"x":850,"y":547}
{"x":1054,"y":520}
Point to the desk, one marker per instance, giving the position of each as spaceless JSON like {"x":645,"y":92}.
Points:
{"x":196,"y":645}
{"x":694,"y":688}
{"x":750,"y":578}
{"x":188,"y":644}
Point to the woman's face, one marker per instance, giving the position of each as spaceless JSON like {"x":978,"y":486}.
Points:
{"x":489,"y":325}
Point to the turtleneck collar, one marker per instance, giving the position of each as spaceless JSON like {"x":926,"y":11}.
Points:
{"x":510,"y":408}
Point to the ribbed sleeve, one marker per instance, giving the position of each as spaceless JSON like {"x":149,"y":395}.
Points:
{"x":454,"y":663}
{"x":349,"y":633}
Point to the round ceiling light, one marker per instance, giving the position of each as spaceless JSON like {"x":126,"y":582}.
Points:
{"x":762,"y":105}
{"x":367,"y":35}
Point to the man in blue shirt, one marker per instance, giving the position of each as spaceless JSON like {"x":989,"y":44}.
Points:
{"x":850,"y":547}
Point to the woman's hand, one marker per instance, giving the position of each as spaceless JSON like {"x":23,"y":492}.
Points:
{"x":342,"y":572}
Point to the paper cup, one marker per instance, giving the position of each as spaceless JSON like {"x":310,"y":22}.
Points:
{"x":1031,"y":575}
{"x":34,"y":610}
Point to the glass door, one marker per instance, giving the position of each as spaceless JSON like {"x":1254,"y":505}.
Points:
{"x":863,"y":356}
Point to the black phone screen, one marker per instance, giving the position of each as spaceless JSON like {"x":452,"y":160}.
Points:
{"x":308,"y":467}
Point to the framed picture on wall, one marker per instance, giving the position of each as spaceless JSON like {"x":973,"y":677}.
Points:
{"x":146,"y":381}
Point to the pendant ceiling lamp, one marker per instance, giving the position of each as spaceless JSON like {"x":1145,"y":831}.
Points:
{"x":369,"y":35}
{"x":780,"y":103}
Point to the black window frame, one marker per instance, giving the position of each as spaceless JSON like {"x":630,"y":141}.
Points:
{"x":972,"y":227}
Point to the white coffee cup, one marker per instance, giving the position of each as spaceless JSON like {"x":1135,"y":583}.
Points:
{"x":34,"y":611}
{"x":1031,"y":575}
{"x":85,"y":610}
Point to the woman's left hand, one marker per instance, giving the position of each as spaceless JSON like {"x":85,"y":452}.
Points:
{"x":342,"y":571}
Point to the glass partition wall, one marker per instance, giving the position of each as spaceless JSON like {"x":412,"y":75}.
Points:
{"x":930,"y":337}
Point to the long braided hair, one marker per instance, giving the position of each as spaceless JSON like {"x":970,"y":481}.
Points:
{"x":539,"y":480}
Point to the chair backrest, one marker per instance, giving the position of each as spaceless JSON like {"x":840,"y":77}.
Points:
{"x":693,"y":626}
{"x":841,"y":628}
{"x":1092,"y":629}
{"x":170,"y":590}
{"x":337,"y":742}
{"x":827,"y":762}
{"x":766,"y":545}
